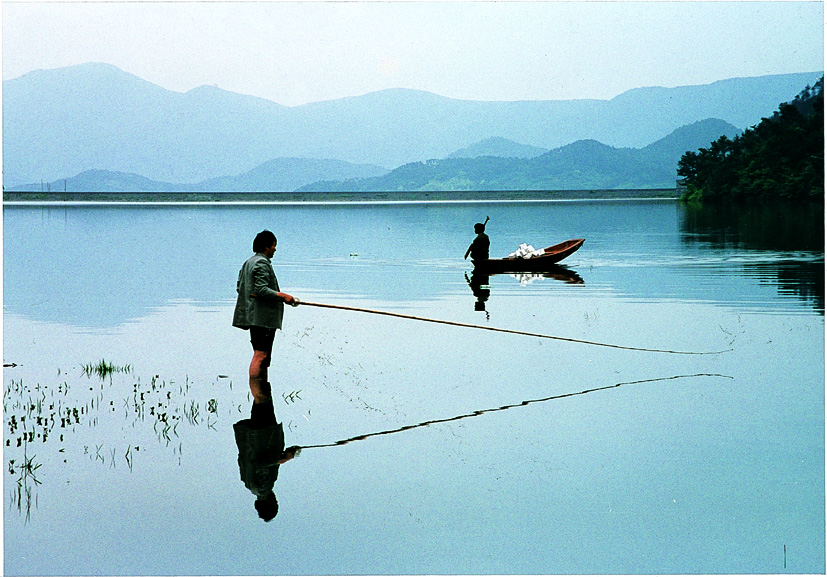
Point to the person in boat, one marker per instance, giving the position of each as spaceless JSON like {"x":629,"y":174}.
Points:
{"x":260,"y":309}
{"x":260,"y":441}
{"x":479,"y":246}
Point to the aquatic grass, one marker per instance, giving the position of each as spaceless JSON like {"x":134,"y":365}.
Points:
{"x":17,"y":495}
{"x":27,"y":469}
{"x":104,"y":369}
{"x":59,"y":412}
{"x":22,"y":492}
{"x":192,"y":412}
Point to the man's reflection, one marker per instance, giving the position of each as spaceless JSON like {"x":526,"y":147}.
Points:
{"x":260,"y":441}
{"x":479,"y":286}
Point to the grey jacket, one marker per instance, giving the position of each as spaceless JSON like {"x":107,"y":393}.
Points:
{"x":266,"y":308}
{"x":259,"y":451}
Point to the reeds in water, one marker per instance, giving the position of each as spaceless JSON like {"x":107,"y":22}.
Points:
{"x":103,"y":369}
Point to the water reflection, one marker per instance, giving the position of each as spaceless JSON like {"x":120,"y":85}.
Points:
{"x":789,"y":238}
{"x":766,"y":227}
{"x":798,"y":278}
{"x":260,"y":441}
{"x":86,"y":419}
{"x":52,"y":424}
{"x":480,"y":412}
{"x":608,"y":470}
{"x":480,"y":287}
{"x":479,"y":281}
{"x":25,"y":474}
{"x":139,"y":245}
{"x":557,"y":272}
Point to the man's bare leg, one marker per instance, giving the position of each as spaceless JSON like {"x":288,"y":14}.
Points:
{"x":258,"y":376}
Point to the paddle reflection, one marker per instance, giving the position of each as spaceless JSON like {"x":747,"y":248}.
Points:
{"x":260,"y":441}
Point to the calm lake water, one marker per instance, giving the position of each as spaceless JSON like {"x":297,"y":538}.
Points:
{"x":488,"y":461}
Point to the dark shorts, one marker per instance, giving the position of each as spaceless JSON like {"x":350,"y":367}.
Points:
{"x":262,"y":339}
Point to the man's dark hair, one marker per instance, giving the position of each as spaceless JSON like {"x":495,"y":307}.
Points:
{"x":268,"y":507}
{"x":479,"y":228}
{"x":263,"y":240}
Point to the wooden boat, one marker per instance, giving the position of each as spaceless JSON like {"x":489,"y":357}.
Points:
{"x":550,"y":256}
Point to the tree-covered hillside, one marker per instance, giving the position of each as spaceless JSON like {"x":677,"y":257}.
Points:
{"x":581,"y":165}
{"x":782,"y":157}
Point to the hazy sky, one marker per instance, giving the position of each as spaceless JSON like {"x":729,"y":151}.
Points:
{"x":297,"y":52}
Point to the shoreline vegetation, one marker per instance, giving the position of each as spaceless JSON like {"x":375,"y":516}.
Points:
{"x":329,"y":197}
{"x":779,"y":159}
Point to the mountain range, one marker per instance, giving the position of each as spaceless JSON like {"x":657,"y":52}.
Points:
{"x":280,"y":174}
{"x":585,"y":164}
{"x":96,"y":122}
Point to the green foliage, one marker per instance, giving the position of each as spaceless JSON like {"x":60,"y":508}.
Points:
{"x":781,"y":158}
{"x":692,"y":194}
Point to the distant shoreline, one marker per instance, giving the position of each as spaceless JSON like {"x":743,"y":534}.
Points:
{"x":330,"y":197}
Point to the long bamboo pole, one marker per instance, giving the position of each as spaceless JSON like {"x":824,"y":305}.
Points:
{"x":513,"y":332}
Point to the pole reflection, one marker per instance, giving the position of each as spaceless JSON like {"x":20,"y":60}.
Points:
{"x":480,"y":412}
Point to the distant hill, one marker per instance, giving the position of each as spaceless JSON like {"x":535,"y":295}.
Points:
{"x":288,"y":174}
{"x":277,"y":175}
{"x":690,"y":137}
{"x":496,"y":146}
{"x":585,"y":164}
{"x":65,"y":121}
{"x":99,"y":181}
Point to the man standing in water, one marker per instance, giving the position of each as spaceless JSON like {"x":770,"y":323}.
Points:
{"x":260,"y":309}
{"x":479,"y":247}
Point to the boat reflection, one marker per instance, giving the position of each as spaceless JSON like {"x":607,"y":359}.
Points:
{"x":480,"y":279}
{"x":260,"y":441}
{"x":556,"y":272}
